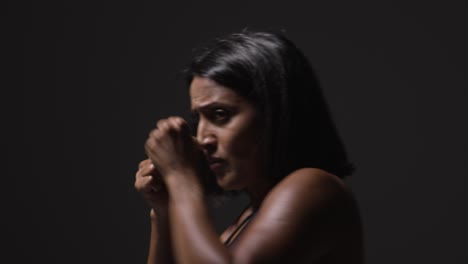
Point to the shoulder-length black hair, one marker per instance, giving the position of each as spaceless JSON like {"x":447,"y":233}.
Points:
{"x":271,"y":72}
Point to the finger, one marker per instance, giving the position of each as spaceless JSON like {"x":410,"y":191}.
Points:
{"x":144,"y":163}
{"x":181,"y":129}
{"x":154,"y":133}
{"x":147,"y":170}
{"x":152,"y":142}
{"x":184,"y":126}
{"x":173,"y":125}
{"x":153,"y":185}
{"x":149,"y":184}
{"x":162,"y":124}
{"x":143,"y":184}
{"x":180,"y":123}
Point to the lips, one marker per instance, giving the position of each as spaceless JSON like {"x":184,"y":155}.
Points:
{"x":215,"y":163}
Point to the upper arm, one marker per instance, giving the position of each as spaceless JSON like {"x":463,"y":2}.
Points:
{"x":299,"y":218}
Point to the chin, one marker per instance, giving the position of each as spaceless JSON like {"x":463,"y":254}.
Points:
{"x":226,"y":181}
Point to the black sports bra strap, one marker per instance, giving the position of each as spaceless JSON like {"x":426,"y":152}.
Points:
{"x":239,"y":228}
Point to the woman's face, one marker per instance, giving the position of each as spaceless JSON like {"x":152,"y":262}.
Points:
{"x":229,"y":133}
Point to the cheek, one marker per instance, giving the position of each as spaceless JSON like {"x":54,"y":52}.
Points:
{"x":244,"y":145}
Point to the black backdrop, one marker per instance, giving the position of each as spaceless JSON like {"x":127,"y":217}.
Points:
{"x":83,"y":83}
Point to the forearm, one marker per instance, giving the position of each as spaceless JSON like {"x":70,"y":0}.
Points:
{"x":194,"y":237}
{"x":160,"y":248}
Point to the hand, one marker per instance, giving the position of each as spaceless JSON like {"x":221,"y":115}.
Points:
{"x":172,"y":150}
{"x":149,"y":183}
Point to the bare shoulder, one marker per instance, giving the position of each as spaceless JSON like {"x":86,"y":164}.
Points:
{"x":306,"y":216}
{"x":311,"y":177}
{"x":308,"y":189}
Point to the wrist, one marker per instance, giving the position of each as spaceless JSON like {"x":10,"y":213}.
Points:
{"x":184,"y":190}
{"x":177,"y":182}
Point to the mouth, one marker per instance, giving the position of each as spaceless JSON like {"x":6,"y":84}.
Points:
{"x":215,"y":163}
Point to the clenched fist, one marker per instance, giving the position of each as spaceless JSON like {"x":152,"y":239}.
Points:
{"x":172,"y":150}
{"x":149,"y":183}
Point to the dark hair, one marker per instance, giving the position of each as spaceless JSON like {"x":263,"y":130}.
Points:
{"x":270,"y":71}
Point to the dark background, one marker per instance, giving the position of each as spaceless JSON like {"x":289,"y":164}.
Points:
{"x":84,"y":82}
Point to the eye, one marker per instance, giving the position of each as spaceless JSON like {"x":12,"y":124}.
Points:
{"x":220,"y":115}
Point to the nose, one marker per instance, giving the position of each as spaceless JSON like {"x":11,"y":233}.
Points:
{"x":206,"y":138}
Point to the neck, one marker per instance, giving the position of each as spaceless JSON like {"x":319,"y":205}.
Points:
{"x":258,"y":192}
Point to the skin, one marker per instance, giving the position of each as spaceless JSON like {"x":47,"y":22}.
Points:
{"x":308,"y":217}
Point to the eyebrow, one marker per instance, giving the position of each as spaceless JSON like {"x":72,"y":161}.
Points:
{"x":210,"y":106}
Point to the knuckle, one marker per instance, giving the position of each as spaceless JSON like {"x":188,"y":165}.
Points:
{"x":142,"y":183}
{"x":180,"y":121}
{"x":162,"y":124}
{"x":143,"y":163}
{"x":174,"y":129}
{"x":153,"y":133}
{"x":148,"y":144}
{"x":145,"y":171}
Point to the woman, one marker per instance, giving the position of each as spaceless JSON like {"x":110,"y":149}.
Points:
{"x":262,"y":126}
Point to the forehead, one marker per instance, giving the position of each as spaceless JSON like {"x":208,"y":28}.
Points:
{"x":204,"y":91}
